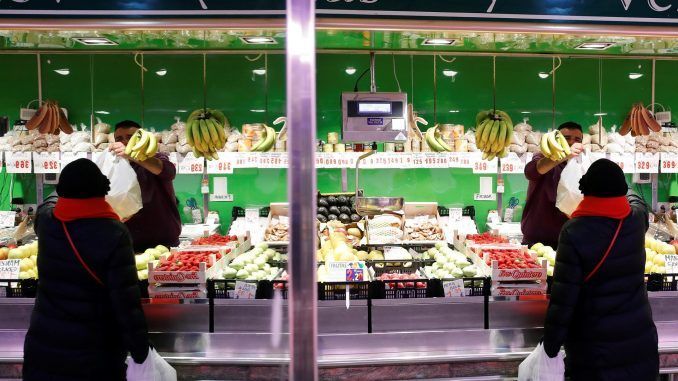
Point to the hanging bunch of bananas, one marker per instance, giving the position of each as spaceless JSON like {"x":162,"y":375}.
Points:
{"x":142,"y":145}
{"x":494,"y":130}
{"x":435,"y":141}
{"x":205,"y":132}
{"x":554,"y":146}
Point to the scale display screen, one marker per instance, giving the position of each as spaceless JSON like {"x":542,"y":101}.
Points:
{"x":374,"y":108}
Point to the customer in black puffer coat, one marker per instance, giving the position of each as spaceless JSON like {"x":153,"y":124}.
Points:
{"x":605,"y":321}
{"x":87,"y":317}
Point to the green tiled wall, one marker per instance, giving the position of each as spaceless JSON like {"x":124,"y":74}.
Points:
{"x":110,"y":86}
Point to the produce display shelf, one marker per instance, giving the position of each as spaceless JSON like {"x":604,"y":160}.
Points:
{"x":401,"y":289}
{"x":662,"y":282}
{"x":478,"y":286}
{"x":326,"y":290}
{"x":225,"y":288}
{"x":18,"y":288}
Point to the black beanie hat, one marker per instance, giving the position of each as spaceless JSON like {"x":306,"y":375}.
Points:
{"x":604,"y":179}
{"x":82,"y":179}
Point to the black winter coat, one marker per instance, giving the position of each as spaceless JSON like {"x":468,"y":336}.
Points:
{"x":606,"y":323}
{"x":79,"y":329}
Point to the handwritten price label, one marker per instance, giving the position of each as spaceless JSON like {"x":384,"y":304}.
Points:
{"x":484,"y":166}
{"x":9,"y":269}
{"x":454,"y":159}
{"x":466,"y":159}
{"x":626,"y":162}
{"x":191,"y":165}
{"x":647,"y":163}
{"x":19,"y":162}
{"x":669,"y":163}
{"x":512,"y":164}
{"x":278,"y":159}
{"x":435,"y":160}
{"x":46,"y":162}
{"x":221,"y":166}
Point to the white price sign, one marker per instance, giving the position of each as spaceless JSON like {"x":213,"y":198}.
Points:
{"x":512,"y":164}
{"x":191,"y":165}
{"x":346,"y":271}
{"x":417,"y":160}
{"x":626,"y":162}
{"x":454,"y":159}
{"x":46,"y":162}
{"x":466,"y":159}
{"x":18,"y":162}
{"x":245,"y":290}
{"x":484,"y":166}
{"x":239,"y":159}
{"x":278,"y":159}
{"x":69,"y":157}
{"x":7,"y":219}
{"x":671,"y":263}
{"x":454,"y":289}
{"x":647,"y":163}
{"x":222,"y":166}
{"x":10,"y":268}
{"x":264,"y":160}
{"x":435,"y":160}
{"x":669,"y":163}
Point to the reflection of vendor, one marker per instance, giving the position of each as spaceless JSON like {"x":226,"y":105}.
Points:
{"x":542,"y":221}
{"x":158,"y":222}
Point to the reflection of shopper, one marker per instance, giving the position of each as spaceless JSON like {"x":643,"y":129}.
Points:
{"x":599,"y":307}
{"x":87,"y":313}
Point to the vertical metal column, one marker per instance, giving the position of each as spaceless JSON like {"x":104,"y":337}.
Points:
{"x":301,"y":117}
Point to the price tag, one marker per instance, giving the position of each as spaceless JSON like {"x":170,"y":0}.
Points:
{"x":346,"y":271}
{"x":647,"y":163}
{"x":454,"y":288}
{"x":46,"y":162}
{"x":221,"y":166}
{"x":466,"y":159}
{"x":454,"y":159}
{"x":18,"y":162}
{"x":456,"y":214}
{"x":278,"y":159}
{"x":417,"y":160}
{"x":512,"y":164}
{"x":7,"y":219}
{"x":435,"y":160}
{"x":671,"y":263}
{"x":484,"y":166}
{"x":332,"y":160}
{"x":485,"y":196}
{"x":245,"y":290}
{"x":69,"y":157}
{"x":190,"y":164}
{"x":669,"y":163}
{"x":320,"y":158}
{"x":10,"y":268}
{"x":626,"y":162}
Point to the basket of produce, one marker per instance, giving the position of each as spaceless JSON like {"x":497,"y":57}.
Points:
{"x":253,"y":265}
{"x":353,"y":231}
{"x":385,"y":229}
{"x":337,"y":207}
{"x":278,"y":226}
{"x":401,"y":286}
{"x":18,"y":288}
{"x":189,"y":265}
{"x":422,"y":222}
{"x":510,"y":265}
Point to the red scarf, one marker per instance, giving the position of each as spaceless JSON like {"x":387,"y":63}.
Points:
{"x":612,"y":207}
{"x":70,"y":209}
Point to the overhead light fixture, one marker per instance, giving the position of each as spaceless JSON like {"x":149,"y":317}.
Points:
{"x":161,"y":72}
{"x":635,"y":75}
{"x":257,"y":110}
{"x":65,"y":71}
{"x":182,"y":110}
{"x":439,"y":41}
{"x":350,"y":70}
{"x":259,"y":71}
{"x":594,"y":45}
{"x":526,"y":112}
{"x":454,"y":111}
{"x":101,"y":112}
{"x":449,"y":73}
{"x":600,"y":114}
{"x":543,"y":75}
{"x":98,"y":41}
{"x":258,"y":40}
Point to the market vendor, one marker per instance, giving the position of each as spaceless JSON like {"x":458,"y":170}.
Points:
{"x":158,"y":222}
{"x":542,"y":220}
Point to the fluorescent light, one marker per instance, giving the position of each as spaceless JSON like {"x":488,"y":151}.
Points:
{"x":594,"y":45}
{"x":350,"y":70}
{"x":101,"y":112}
{"x":94,"y":41}
{"x":449,"y":73}
{"x":257,"y":110}
{"x":182,"y":110}
{"x":526,"y":112}
{"x":600,"y":114}
{"x":635,"y":75}
{"x":259,"y":40}
{"x":543,"y":75}
{"x":259,"y":71}
{"x":439,"y":41}
{"x":454,"y":111}
{"x":64,"y":71}
{"x":161,"y":72}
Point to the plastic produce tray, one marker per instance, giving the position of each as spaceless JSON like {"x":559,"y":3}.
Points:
{"x":662,"y":282}
{"x":396,"y":289}
{"x":224,"y":288}
{"x":240,"y":212}
{"x":337,"y":290}
{"x":473,"y":286}
{"x":15,"y":288}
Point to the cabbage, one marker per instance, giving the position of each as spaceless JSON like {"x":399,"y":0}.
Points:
{"x":230,"y":273}
{"x":262,"y":246}
{"x":242,"y":274}
{"x":457,"y":273}
{"x":260,"y":262}
{"x":251,"y":268}
{"x":462,"y":263}
{"x":470,"y":271}
{"x":450,"y":266}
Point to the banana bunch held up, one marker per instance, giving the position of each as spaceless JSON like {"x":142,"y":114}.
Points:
{"x":205,"y":132}
{"x":142,"y":145}
{"x":554,"y":146}
{"x":494,"y":130}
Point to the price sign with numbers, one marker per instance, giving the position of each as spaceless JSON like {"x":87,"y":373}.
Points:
{"x":222,"y":166}
{"x":484,"y":166}
{"x":647,"y":163}
{"x":46,"y":162}
{"x":417,"y":160}
{"x":625,"y":161}
{"x":512,"y":164}
{"x":278,"y":159}
{"x":669,"y":163}
{"x":69,"y":157}
{"x":18,"y":162}
{"x":454,"y":159}
{"x":320,"y":158}
{"x":435,"y":160}
{"x":190,"y":164}
{"x":466,"y":159}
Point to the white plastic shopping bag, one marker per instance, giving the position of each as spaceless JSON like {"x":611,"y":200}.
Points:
{"x":125,"y":194}
{"x":538,"y":366}
{"x":155,"y":368}
{"x":569,"y":196}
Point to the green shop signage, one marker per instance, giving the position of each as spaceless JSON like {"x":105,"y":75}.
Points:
{"x":661,"y":12}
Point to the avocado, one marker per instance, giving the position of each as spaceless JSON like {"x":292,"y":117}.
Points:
{"x":322,"y":201}
{"x":332,"y":200}
{"x":321,"y":218}
{"x":323,"y":211}
{"x":342,"y":200}
{"x":332,"y":217}
{"x":334,"y":210}
{"x":344,"y":218}
{"x":355,"y":217}
{"x":345,"y":209}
